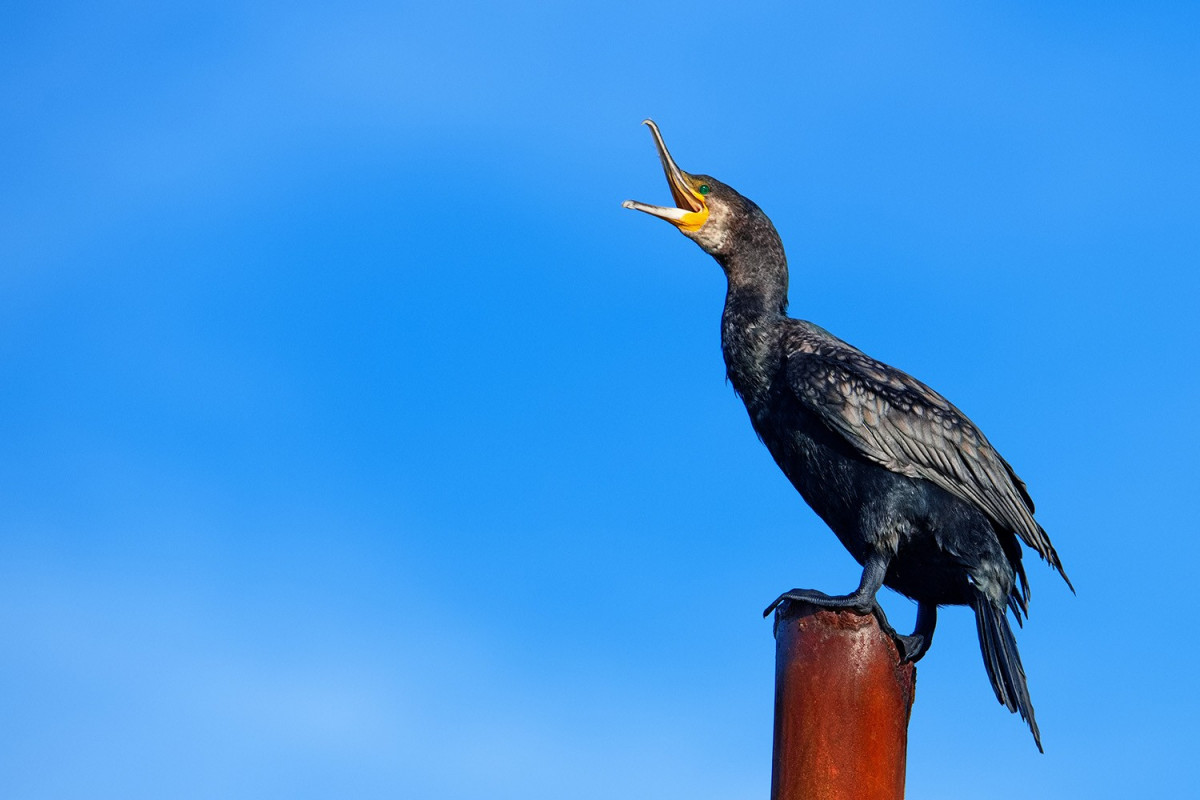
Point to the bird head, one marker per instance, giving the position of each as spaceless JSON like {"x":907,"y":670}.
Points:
{"x":706,"y":210}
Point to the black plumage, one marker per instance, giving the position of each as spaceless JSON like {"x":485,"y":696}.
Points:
{"x":910,"y":486}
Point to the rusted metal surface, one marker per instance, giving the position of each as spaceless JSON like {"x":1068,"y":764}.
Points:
{"x":842,"y":703}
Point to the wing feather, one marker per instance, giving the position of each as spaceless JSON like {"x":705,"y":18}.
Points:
{"x":901,"y":424}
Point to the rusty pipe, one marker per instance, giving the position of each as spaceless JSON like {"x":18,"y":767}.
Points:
{"x":842,"y":705}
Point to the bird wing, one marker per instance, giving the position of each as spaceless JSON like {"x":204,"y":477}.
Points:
{"x":901,"y":424}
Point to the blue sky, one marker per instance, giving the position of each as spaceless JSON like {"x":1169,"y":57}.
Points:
{"x":357,"y":443}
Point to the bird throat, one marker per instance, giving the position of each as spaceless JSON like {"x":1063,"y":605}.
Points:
{"x":750,"y":342}
{"x":755,"y":310}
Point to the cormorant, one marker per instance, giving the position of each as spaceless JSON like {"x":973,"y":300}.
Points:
{"x":910,"y":486}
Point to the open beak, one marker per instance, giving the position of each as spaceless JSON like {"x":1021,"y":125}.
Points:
{"x":690,"y":211}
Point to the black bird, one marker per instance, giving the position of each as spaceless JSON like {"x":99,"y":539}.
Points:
{"x":910,"y":486}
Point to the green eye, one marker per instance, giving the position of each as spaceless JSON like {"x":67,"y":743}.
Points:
{"x":704,"y":189}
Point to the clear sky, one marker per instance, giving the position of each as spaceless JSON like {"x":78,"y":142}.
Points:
{"x":357,"y":443}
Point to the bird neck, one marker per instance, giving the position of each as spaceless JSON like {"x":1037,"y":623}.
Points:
{"x":755,"y":308}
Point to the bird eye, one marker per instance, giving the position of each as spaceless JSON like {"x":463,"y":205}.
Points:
{"x":703,"y":189}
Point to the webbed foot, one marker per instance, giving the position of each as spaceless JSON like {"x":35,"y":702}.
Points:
{"x":855,"y":602}
{"x":911,"y":647}
{"x":916,"y":644}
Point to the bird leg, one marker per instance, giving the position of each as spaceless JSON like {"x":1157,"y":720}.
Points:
{"x":863,"y":601}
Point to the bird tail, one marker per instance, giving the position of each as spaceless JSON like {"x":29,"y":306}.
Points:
{"x":1003,"y":662}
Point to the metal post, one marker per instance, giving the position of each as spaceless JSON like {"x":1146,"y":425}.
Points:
{"x":842,"y":703}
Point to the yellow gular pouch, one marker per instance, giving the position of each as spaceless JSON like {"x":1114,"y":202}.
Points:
{"x":692,"y":220}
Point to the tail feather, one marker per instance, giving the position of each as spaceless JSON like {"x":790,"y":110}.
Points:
{"x":1003,"y":662}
